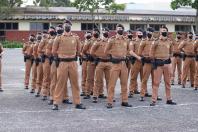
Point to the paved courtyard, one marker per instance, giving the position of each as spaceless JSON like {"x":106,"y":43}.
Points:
{"x":20,"y":111}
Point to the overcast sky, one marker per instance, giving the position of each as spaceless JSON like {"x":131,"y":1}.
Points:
{"x":29,"y":2}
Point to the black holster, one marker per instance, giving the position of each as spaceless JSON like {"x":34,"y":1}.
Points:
{"x":43,"y":57}
{"x":159,"y":62}
{"x":51,"y":58}
{"x":132,"y":59}
{"x":116,"y":61}
{"x":27,"y":57}
{"x":57,"y":61}
{"x":177,"y":55}
{"x":196,"y":57}
{"x":37,"y":60}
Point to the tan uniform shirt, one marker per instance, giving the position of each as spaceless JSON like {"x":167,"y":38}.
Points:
{"x":98,"y":49}
{"x":87,"y":46}
{"x":28,"y":48}
{"x":196,"y":47}
{"x":49,"y":45}
{"x":176,"y":44}
{"x":134,"y":45}
{"x":35,"y":49}
{"x":42,"y":46}
{"x":187,"y":46}
{"x":161,"y":49}
{"x":118,"y":47}
{"x":66,"y":46}
{"x":145,"y":47}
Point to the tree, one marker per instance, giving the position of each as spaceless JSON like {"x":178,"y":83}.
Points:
{"x":6,"y":6}
{"x":93,"y":6}
{"x":175,"y":4}
{"x":52,"y":3}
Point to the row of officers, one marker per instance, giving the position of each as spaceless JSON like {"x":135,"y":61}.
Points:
{"x":51,"y":58}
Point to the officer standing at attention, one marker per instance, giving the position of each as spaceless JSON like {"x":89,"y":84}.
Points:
{"x":196,"y":58}
{"x":187,"y":46}
{"x":67,"y":47}
{"x":144,"y":51}
{"x":35,"y":62}
{"x":161,"y":51}
{"x":103,"y":65}
{"x":1,"y":53}
{"x":136,"y":65}
{"x":27,"y":52}
{"x":118,"y":48}
{"x":84,"y":61}
{"x":176,"y":59}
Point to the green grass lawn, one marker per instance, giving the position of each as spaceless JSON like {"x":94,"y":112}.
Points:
{"x":11,"y":44}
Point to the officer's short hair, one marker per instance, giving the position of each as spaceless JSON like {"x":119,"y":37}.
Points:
{"x":179,"y":33}
{"x":45,"y":32}
{"x":39,"y":33}
{"x":129,"y":31}
{"x":96,"y":30}
{"x":163,"y":26}
{"x":60,"y":25}
{"x":68,"y":22}
{"x":88,"y":32}
{"x":32,"y":35}
{"x":120,"y":25}
{"x":52,"y":27}
{"x":190,"y":33}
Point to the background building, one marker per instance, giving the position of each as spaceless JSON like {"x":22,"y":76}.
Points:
{"x":26,"y":20}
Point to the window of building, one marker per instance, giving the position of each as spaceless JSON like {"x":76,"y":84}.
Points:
{"x":194,"y":27}
{"x":136,"y":26}
{"x":39,"y":26}
{"x":89,"y":26}
{"x":110,"y":26}
{"x":156,"y":27}
{"x":182,"y":28}
{"x":9,"y":26}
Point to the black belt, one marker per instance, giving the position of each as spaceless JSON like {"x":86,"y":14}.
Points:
{"x":104,"y":60}
{"x":67,"y":59}
{"x":190,"y":56}
{"x":177,"y":55}
{"x":146,"y":60}
{"x":117,"y":60}
{"x":84,"y":59}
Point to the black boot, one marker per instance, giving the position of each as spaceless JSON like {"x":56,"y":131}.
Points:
{"x":141,"y":98}
{"x":196,"y":88}
{"x":32,"y":91}
{"x":170,"y":102}
{"x":26,"y":87}
{"x":95,"y":100}
{"x":130,"y":95}
{"x":37,"y":95}
{"x":87,"y":97}
{"x":148,"y":95}
{"x":80,"y":106}
{"x":192,"y":85}
{"x":1,"y":90}
{"x":126,"y":104}
{"x":50,"y":102}
{"x":136,"y":92}
{"x":109,"y":106}
{"x":152,"y":103}
{"x":183,"y":86}
{"x":44,"y":98}
{"x":172,"y":82}
{"x":67,"y":101}
{"x":159,"y":99}
{"x":55,"y":107}
{"x":102,"y":96}
{"x":83,"y":94}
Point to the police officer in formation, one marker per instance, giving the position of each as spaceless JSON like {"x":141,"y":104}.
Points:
{"x":51,"y":57}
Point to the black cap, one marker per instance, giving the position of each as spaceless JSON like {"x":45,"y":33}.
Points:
{"x":68,"y":22}
{"x":52,"y":27}
{"x":120,"y":25}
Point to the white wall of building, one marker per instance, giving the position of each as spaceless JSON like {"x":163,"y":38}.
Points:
{"x":24,"y":26}
{"x":76,"y":26}
{"x":171,"y":27}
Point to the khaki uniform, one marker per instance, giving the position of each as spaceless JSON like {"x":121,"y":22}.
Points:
{"x":103,"y":68}
{"x":53,"y":73}
{"x":118,"y":48}
{"x":136,"y":68}
{"x":27,"y":51}
{"x":67,"y":47}
{"x":189,"y":62}
{"x":196,"y":68}
{"x":84,"y":69}
{"x":176,"y":61}
{"x":144,"y":51}
{"x":39,"y":78}
{"x":34,"y":66}
{"x":1,"y":50}
{"x":46,"y":67}
{"x":90,"y":69}
{"x":161,"y":50}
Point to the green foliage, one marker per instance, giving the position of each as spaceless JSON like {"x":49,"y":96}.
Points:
{"x":11,"y":44}
{"x":6,"y":6}
{"x":52,"y":3}
{"x":113,"y":8}
{"x":175,"y":4}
